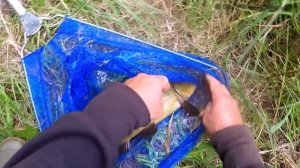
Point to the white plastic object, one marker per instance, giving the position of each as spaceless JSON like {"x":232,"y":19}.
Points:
{"x":16,"y":4}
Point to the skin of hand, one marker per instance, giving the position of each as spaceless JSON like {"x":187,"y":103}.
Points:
{"x":151,"y":89}
{"x":223,"y":111}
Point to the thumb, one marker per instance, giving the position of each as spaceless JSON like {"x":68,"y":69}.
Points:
{"x":206,"y":110}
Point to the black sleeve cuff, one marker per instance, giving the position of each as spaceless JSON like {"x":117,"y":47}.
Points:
{"x":121,"y":103}
{"x":236,"y":147}
{"x":227,"y":135}
{"x":95,"y":133}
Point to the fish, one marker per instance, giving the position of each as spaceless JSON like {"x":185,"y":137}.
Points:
{"x":172,"y":101}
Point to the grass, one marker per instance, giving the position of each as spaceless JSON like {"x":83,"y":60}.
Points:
{"x":256,"y":41}
{"x":16,"y":117}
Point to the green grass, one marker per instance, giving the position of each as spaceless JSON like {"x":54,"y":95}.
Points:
{"x":16,"y":117}
{"x":256,"y":41}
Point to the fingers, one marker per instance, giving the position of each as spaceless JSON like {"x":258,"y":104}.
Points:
{"x":217,"y":89}
{"x":160,"y":111}
{"x":206,"y":110}
{"x":204,"y":115}
{"x":164,"y":82}
{"x":213,"y":82}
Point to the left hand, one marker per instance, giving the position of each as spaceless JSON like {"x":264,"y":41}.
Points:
{"x":151,"y":89}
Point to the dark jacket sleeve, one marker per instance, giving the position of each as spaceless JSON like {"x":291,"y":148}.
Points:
{"x":88,"y":139}
{"x":236,"y":148}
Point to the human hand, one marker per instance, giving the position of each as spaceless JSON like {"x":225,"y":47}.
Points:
{"x":150,"y":88}
{"x":223,"y":111}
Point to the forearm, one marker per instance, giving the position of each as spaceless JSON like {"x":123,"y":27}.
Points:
{"x":236,"y":147}
{"x":90,"y":138}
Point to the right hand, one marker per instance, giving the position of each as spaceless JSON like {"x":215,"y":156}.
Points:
{"x":223,"y":111}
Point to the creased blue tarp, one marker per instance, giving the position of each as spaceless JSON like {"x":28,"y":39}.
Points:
{"x":82,"y":59}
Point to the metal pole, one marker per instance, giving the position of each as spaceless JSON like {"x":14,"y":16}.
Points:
{"x":16,"y":4}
